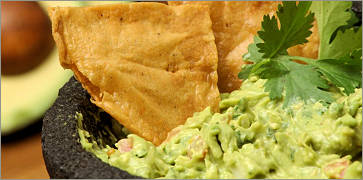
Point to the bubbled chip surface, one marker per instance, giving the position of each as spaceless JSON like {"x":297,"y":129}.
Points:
{"x":149,"y":65}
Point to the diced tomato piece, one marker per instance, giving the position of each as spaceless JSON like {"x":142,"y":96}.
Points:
{"x":125,"y":145}
{"x":197,"y":147}
{"x":337,"y":170}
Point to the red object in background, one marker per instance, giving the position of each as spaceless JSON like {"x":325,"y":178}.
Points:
{"x":26,"y":36}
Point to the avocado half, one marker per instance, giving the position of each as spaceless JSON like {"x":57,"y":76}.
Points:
{"x":62,"y":151}
{"x":25,"y":97}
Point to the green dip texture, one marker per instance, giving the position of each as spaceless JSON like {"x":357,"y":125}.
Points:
{"x":252,"y":137}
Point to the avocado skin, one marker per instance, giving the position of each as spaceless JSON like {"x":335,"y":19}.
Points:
{"x":63,"y":154}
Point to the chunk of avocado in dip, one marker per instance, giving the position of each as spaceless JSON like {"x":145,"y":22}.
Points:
{"x":252,"y":137}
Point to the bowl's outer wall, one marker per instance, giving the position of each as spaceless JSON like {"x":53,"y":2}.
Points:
{"x":63,"y":154}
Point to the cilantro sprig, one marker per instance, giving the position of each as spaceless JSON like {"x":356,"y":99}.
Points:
{"x":308,"y":82}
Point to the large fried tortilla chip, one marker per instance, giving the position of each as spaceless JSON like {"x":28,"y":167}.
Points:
{"x":234,"y":25}
{"x":149,"y":65}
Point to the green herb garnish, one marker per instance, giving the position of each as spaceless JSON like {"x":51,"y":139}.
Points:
{"x":335,"y":23}
{"x":339,"y":63}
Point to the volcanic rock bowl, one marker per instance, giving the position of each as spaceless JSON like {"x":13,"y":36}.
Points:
{"x":62,"y":151}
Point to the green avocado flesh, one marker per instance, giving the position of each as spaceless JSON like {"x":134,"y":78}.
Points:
{"x":25,"y":97}
{"x":252,"y":137}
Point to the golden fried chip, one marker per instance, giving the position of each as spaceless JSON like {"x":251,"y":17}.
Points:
{"x":149,"y":65}
{"x":234,"y":25}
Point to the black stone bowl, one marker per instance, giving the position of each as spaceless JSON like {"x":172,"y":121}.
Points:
{"x":63,"y":154}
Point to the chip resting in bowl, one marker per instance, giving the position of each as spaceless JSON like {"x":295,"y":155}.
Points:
{"x":235,"y":23}
{"x":149,"y":65}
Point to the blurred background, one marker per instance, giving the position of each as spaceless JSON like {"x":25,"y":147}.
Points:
{"x":30,"y":79}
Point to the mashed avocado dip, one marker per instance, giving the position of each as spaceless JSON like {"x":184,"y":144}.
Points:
{"x":252,"y":137}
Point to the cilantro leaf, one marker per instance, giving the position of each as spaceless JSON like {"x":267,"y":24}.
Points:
{"x":275,"y":87}
{"x":265,"y":68}
{"x":295,"y":24}
{"x":245,"y":72}
{"x":301,"y":82}
{"x":330,"y":16}
{"x":354,"y":59}
{"x":306,"y":82}
{"x":344,"y":72}
{"x":344,"y":42}
{"x":271,"y":68}
{"x":350,"y":23}
{"x":253,"y":54}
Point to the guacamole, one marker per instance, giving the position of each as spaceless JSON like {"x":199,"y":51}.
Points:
{"x":252,"y":137}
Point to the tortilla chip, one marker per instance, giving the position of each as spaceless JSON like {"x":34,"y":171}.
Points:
{"x":149,"y":65}
{"x":234,"y":25}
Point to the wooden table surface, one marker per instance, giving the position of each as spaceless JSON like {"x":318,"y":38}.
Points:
{"x":21,"y":156}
